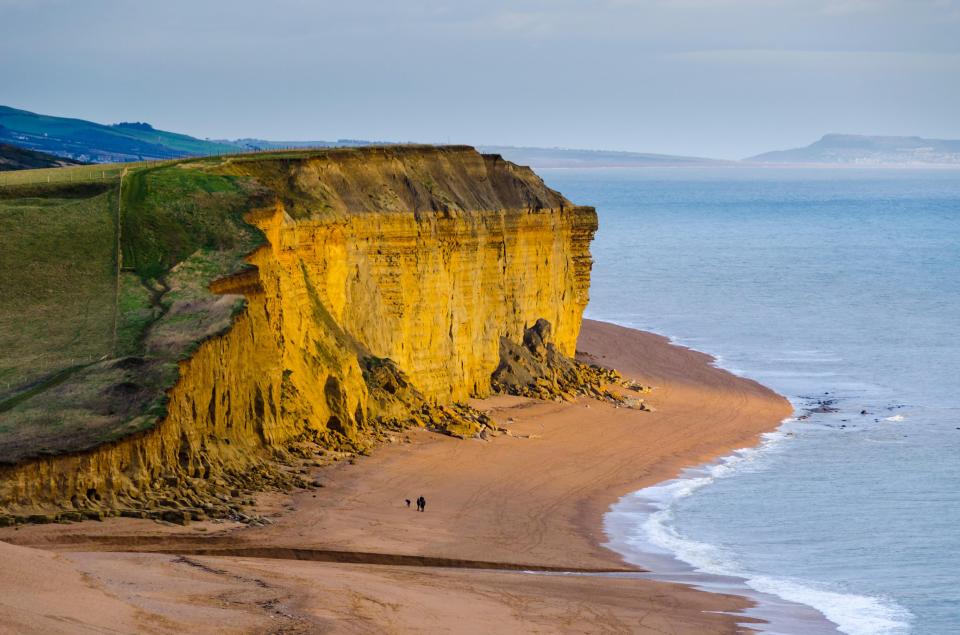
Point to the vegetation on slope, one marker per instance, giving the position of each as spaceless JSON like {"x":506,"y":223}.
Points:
{"x":58,"y":280}
{"x":16,"y":158}
{"x":172,"y":212}
{"x":89,"y":350}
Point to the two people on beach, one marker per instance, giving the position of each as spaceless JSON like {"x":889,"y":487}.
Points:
{"x":421,"y":503}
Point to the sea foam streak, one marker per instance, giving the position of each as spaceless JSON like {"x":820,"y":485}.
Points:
{"x":853,"y":614}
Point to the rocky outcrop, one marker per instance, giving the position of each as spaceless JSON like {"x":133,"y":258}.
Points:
{"x":535,"y":367}
{"x":389,"y":281}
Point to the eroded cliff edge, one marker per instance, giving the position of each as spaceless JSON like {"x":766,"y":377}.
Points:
{"x":388,"y":281}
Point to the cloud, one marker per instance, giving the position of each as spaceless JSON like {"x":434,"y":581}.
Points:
{"x":643,"y":74}
{"x":523,"y":23}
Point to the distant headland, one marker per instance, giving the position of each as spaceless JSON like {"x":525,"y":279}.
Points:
{"x":89,"y":142}
{"x":864,"y":150}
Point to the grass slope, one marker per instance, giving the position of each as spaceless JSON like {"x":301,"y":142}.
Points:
{"x":57,"y":280}
{"x":67,"y":381}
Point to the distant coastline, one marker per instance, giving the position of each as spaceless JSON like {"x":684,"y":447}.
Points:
{"x":846,"y":150}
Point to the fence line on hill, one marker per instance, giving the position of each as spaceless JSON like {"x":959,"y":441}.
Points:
{"x":111,"y":171}
{"x":119,"y":259}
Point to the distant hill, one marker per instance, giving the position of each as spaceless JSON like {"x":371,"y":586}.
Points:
{"x":571,"y":158}
{"x":136,"y":141}
{"x":868,"y":150}
{"x":97,"y":143}
{"x":16,"y":158}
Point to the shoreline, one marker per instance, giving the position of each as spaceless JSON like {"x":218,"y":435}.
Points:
{"x":538,"y":496}
{"x":637,"y":529}
{"x":705,"y":566}
{"x":665,"y":564}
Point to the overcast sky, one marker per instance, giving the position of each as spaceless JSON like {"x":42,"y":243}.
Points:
{"x":724,"y":78}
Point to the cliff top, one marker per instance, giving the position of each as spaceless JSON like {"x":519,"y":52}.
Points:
{"x":401,"y":178}
{"x":89,"y":349}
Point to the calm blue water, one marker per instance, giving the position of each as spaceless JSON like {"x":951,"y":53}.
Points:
{"x":825,"y":285}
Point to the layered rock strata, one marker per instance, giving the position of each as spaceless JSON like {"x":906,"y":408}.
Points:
{"x":389,"y":279}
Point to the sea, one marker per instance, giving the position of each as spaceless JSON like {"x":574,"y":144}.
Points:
{"x":840,"y":289}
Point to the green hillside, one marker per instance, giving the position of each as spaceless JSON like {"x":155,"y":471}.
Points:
{"x":91,"y":342}
{"x":97,"y":143}
{"x":17,"y":158}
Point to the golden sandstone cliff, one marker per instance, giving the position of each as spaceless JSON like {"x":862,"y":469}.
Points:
{"x":389,"y":284}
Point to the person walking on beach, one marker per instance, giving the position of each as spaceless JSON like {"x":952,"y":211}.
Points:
{"x":421,"y":504}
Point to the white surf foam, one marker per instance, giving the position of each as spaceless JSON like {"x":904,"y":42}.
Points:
{"x":852,"y":613}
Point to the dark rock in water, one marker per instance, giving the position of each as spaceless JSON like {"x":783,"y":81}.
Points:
{"x":822,"y":406}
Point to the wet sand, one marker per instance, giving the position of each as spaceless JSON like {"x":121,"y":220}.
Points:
{"x":352,"y":557}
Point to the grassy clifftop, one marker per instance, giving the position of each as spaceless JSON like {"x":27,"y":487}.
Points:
{"x":90,"y":347}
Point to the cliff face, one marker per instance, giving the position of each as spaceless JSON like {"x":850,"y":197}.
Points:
{"x":388,"y":280}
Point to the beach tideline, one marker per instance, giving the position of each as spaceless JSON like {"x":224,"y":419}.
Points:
{"x":535,"y":496}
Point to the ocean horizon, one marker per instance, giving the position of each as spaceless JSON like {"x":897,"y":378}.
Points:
{"x":840,"y":290}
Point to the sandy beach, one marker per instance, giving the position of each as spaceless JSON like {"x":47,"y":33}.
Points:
{"x":352,"y":557}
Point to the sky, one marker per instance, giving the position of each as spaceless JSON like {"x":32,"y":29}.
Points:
{"x":718,"y":78}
